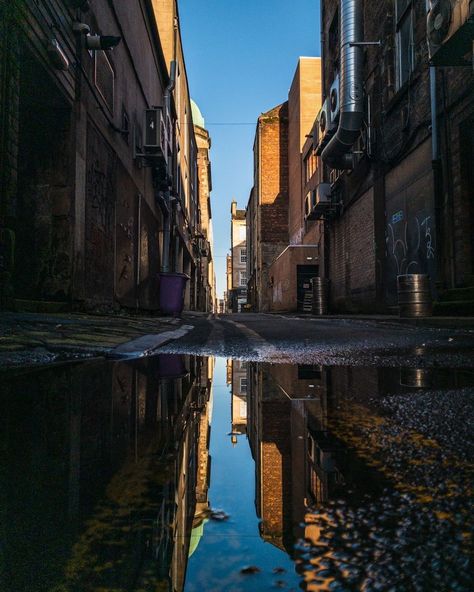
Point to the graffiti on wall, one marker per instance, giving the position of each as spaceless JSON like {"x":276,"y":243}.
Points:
{"x":410,"y":242}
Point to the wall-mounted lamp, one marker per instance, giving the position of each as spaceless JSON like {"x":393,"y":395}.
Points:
{"x":96,"y":42}
{"x":102,"y":42}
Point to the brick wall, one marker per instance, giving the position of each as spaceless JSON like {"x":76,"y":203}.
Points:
{"x":352,"y":257}
{"x":273,"y":127}
{"x":268,"y":203}
{"x":304,"y":101}
{"x":275,"y":468}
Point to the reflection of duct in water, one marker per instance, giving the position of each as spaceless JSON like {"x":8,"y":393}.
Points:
{"x":416,"y":377}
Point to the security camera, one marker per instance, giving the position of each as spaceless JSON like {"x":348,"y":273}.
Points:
{"x":81,"y":28}
{"x":102,"y":42}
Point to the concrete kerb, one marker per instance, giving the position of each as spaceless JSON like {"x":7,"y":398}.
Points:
{"x":38,"y":339}
{"x":147,"y":344}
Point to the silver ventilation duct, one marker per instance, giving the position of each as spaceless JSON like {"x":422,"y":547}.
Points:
{"x":337,"y":153}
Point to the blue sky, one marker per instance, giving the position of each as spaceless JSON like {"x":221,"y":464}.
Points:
{"x":240,"y":58}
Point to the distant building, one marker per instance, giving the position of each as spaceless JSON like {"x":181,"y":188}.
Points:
{"x":237,"y":270}
{"x":267,"y":208}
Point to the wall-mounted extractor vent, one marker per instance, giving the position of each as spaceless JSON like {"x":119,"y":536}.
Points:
{"x":318,"y":201}
{"x":326,"y":126}
{"x":450,"y":30}
{"x":155,"y":141}
{"x":155,"y":148}
{"x":334,"y":101}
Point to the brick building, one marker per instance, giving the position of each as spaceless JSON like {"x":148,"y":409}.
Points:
{"x":290,"y":273}
{"x":237,"y":261}
{"x":91,"y":206}
{"x":401,"y":190}
{"x":287,"y":411}
{"x":267,"y":208}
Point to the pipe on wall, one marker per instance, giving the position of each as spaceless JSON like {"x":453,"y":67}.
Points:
{"x":337,"y":153}
{"x":166,"y":202}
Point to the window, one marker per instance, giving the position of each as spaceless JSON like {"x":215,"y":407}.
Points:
{"x":242,"y":278}
{"x":243,"y":409}
{"x":243,"y":385}
{"x":243,"y":255}
{"x":404,"y":40}
{"x":104,"y":78}
{"x":125,"y":131}
{"x":310,"y":165}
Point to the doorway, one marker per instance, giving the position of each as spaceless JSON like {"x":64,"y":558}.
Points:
{"x":304,"y":286}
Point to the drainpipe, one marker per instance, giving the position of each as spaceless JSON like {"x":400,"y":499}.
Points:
{"x":448,"y":201}
{"x":139,"y":253}
{"x":435,"y":162}
{"x":337,"y":153}
{"x":166,"y":207}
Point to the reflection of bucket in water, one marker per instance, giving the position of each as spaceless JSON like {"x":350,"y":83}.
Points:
{"x":416,"y":377}
{"x":171,"y":366}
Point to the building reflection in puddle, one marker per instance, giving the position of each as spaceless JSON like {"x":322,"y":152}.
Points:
{"x":107,"y":481}
{"x":99,"y":478}
{"x":237,"y":380}
{"x":352,"y":483}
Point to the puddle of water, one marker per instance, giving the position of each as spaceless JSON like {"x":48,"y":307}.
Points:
{"x":178,"y":473}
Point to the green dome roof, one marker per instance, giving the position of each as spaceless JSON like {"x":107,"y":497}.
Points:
{"x":198,"y":119}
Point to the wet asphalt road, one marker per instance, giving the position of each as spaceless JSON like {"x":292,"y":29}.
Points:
{"x":265,"y":337}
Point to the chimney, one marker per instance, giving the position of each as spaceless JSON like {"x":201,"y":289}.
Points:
{"x":233,"y":208}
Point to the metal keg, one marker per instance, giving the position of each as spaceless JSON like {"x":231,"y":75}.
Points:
{"x":320,"y":296}
{"x":414,"y":295}
{"x":416,"y":377}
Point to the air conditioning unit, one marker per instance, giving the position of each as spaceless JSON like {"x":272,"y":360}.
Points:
{"x":326,"y":126}
{"x":450,"y":31}
{"x":319,"y":200}
{"x":155,"y":140}
{"x":334,"y":101}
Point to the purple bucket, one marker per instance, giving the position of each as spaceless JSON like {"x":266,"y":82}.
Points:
{"x":172,"y":287}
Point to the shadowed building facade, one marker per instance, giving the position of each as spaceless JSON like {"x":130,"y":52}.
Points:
{"x":402,"y":202}
{"x":92,"y":208}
